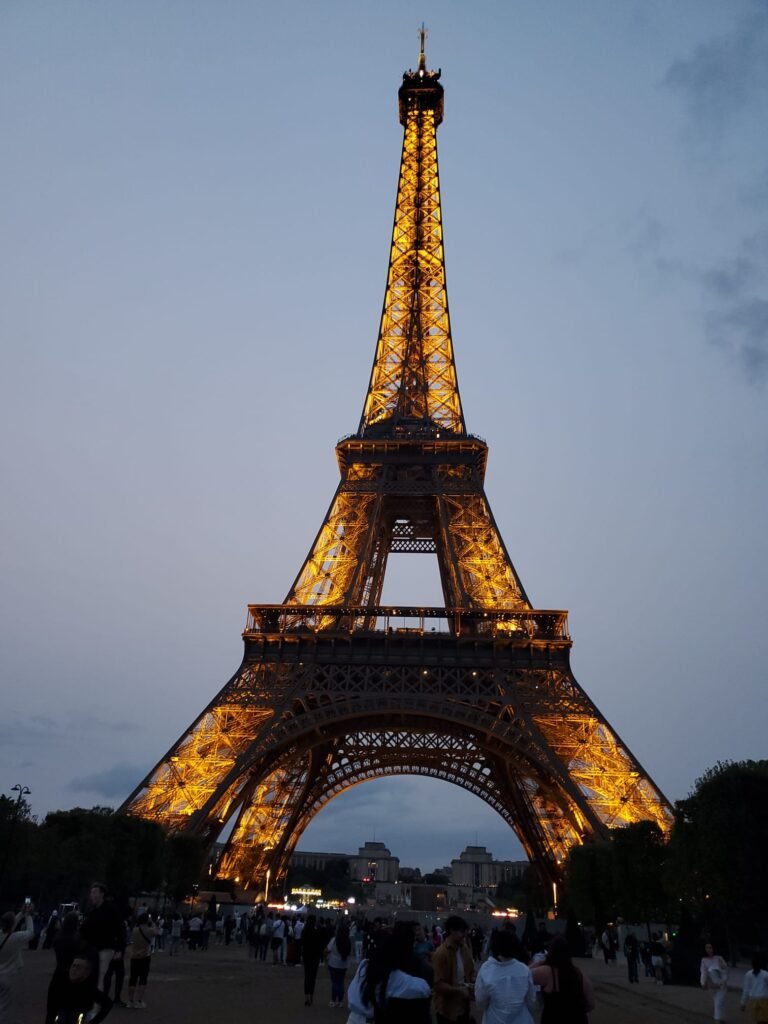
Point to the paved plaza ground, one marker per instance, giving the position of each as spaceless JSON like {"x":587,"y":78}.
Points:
{"x":223,"y":986}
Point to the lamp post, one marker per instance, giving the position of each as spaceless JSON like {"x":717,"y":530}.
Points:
{"x":22,"y":791}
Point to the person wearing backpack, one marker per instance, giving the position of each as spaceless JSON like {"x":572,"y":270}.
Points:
{"x":141,"y":956}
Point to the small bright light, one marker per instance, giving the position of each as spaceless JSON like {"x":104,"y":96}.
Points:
{"x":351,"y":899}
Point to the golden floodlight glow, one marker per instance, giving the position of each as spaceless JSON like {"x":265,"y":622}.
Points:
{"x":335,"y":689}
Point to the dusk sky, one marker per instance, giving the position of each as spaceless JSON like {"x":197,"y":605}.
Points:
{"x":196,"y":202}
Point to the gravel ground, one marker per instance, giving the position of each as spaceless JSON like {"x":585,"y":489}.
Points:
{"x":223,"y":985}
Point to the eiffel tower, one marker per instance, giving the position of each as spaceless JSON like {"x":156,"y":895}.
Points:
{"x":336,"y":689}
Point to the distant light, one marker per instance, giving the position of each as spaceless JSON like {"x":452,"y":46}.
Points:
{"x":351,"y":899}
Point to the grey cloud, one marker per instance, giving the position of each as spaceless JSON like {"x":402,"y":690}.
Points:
{"x":117,"y":781}
{"x":737,"y":320}
{"x":742,"y":330}
{"x":725,"y":75}
{"x":730,"y":278}
{"x":34,"y":730}
{"x":44,"y":729}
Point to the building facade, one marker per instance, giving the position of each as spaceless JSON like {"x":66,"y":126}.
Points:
{"x":476,"y":868}
{"x":373,"y":862}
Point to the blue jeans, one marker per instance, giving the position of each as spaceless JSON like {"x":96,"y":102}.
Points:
{"x":337,"y":983}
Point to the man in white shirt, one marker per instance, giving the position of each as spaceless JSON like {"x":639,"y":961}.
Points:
{"x":11,"y":945}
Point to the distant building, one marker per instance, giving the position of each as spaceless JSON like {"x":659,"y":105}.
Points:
{"x":373,"y":862}
{"x":476,"y":868}
{"x":473,"y":874}
{"x":315,"y":861}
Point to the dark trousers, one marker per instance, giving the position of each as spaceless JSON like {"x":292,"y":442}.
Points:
{"x":463,"y":1019}
{"x":337,"y":983}
{"x":632,"y":968}
{"x":310,"y":975}
{"x":116,"y":969}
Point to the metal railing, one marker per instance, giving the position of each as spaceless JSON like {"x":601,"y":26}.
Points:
{"x":402,"y":621}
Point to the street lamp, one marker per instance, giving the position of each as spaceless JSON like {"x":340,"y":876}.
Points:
{"x":8,"y":848}
{"x":22,"y":791}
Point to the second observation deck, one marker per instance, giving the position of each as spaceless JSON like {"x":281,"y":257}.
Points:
{"x":523,"y":627}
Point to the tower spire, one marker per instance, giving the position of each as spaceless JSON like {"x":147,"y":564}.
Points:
{"x":413,"y":385}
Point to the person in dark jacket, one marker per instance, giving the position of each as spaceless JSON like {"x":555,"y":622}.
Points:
{"x":73,"y":994}
{"x":101,"y":928}
{"x":313,"y":943}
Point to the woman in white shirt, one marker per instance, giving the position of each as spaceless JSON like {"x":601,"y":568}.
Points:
{"x":504,"y":989}
{"x":338,"y":952}
{"x":714,"y":977}
{"x":384,"y":988}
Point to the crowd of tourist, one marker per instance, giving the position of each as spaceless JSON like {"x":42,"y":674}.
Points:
{"x":382,"y":973}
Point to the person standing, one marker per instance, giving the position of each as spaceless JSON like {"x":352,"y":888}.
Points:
{"x":658,"y":958}
{"x":116,"y":968}
{"x":384,"y":989}
{"x":298,"y":931}
{"x":195,"y":932}
{"x":454,"y":974}
{"x":632,"y":953}
{"x":276,"y":940}
{"x":176,"y":927}
{"x":101,"y":928}
{"x":504,"y":989}
{"x":312,"y":946}
{"x":338,"y":951}
{"x":51,"y":929}
{"x":12,"y":943}
{"x":754,"y":992}
{"x":141,"y":957}
{"x":714,"y":978}
{"x":566,"y":993}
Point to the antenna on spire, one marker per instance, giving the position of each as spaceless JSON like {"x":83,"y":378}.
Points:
{"x":422,"y":54}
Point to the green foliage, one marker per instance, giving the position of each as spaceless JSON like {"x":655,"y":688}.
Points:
{"x":711,"y":871}
{"x":621,"y":876}
{"x":589,"y":880}
{"x":56,"y":861}
{"x":18,"y":849}
{"x":185,"y":860}
{"x":639,"y":854}
{"x":718,"y":848}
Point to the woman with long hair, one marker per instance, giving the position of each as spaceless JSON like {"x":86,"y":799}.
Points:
{"x":567,"y":993}
{"x":385,"y":988}
{"x":338,"y":952}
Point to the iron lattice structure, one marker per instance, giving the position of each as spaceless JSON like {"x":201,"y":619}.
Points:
{"x":335,"y":689}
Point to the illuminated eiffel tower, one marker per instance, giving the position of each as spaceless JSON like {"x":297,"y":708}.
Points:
{"x":335,"y":689}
